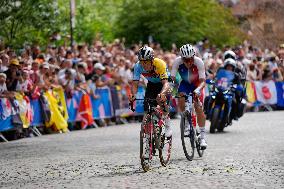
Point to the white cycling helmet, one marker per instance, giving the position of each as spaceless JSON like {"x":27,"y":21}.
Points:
{"x":146,"y":53}
{"x":229,"y":54}
{"x":231,"y":62}
{"x":187,"y":51}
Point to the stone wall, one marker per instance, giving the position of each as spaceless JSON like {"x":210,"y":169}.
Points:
{"x":262,"y":20}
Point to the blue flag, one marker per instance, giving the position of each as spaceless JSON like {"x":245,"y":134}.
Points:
{"x":280,"y":93}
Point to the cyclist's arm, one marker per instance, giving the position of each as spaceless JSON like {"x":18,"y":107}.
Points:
{"x":134,"y":87}
{"x":201,"y":73}
{"x":174,"y":70}
{"x":136,"y":78}
{"x":166,"y":87}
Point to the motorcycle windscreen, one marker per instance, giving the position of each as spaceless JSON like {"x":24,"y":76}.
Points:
{"x":224,"y":79}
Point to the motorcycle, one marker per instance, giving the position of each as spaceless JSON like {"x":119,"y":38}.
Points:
{"x":219,"y":102}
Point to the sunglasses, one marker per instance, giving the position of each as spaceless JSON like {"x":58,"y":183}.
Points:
{"x":187,"y":59}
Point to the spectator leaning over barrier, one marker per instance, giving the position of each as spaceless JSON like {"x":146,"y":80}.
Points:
{"x":252,"y":73}
{"x":4,"y":62}
{"x":92,"y":87}
{"x":66,"y":64}
{"x":35,"y":74}
{"x":3,"y":87}
{"x":44,"y":76}
{"x":99,"y":73}
{"x":80,"y":79}
{"x":13,"y":75}
{"x":24,"y":84}
{"x":67,"y":80}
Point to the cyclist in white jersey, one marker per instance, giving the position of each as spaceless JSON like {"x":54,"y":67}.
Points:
{"x":192,"y":71}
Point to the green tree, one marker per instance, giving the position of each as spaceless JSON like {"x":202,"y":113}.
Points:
{"x":170,"y":21}
{"x":25,"y":21}
{"x":94,"y":17}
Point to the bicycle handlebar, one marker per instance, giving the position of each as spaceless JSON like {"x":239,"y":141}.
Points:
{"x":146,"y":99}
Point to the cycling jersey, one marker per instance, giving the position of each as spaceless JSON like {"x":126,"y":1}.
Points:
{"x":192,"y":75}
{"x":159,"y":72}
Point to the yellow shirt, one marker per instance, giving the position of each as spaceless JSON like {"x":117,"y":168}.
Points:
{"x":159,"y":73}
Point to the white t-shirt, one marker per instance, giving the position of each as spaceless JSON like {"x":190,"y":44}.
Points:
{"x":3,"y":88}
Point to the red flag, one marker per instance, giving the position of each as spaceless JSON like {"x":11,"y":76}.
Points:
{"x":85,"y":114}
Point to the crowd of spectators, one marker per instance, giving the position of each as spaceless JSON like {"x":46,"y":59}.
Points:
{"x":87,"y":67}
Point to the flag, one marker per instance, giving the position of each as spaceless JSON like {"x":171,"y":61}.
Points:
{"x":61,"y":98}
{"x":57,"y":119}
{"x":25,"y":109}
{"x":85,"y":115}
{"x":5,"y":108}
{"x":250,"y":90}
{"x":36,"y":112}
{"x":280,"y":93}
{"x":266,"y":92}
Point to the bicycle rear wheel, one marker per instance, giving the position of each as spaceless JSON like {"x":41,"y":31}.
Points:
{"x":165,"y":147}
{"x":187,"y":136}
{"x":146,"y":144}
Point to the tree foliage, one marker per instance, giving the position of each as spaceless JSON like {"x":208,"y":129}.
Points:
{"x":170,"y":21}
{"x":26,"y":20}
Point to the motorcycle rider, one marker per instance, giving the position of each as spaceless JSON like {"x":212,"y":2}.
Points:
{"x":240,"y":79}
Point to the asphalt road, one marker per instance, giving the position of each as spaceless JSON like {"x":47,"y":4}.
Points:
{"x":249,"y":154}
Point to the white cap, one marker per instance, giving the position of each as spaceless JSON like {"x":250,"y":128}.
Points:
{"x":45,"y":65}
{"x":108,"y":55}
{"x":3,"y":75}
{"x":99,"y":66}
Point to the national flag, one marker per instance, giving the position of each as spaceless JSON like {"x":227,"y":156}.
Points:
{"x":280,"y":93}
{"x":266,"y":92}
{"x":250,"y":90}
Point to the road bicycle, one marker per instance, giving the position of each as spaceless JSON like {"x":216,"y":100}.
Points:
{"x":152,"y":135}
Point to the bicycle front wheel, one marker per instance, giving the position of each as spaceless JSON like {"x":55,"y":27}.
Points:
{"x":165,"y":147}
{"x":146,"y":146}
{"x":187,"y":136}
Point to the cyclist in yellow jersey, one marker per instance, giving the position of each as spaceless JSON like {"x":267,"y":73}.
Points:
{"x":155,"y":71}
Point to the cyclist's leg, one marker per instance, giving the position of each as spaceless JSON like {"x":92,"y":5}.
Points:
{"x":184,"y":88}
{"x":199,"y":110}
{"x":201,"y":118}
